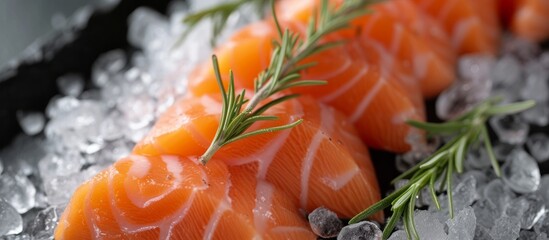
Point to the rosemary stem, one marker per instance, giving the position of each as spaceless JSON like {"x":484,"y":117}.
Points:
{"x":212,"y":149}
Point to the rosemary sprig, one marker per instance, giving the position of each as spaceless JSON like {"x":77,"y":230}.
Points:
{"x":239,"y":113}
{"x":219,"y":14}
{"x":468,"y":129}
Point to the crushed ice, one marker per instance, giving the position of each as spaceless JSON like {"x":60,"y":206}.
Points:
{"x":514,"y":206}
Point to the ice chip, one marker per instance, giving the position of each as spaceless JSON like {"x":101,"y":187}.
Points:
{"x":399,"y":235}
{"x":527,"y":235}
{"x":510,"y":129}
{"x":10,"y":220}
{"x":106,"y":66}
{"x":138,"y":110}
{"x":44,"y":223}
{"x":507,"y":70}
{"x":523,"y":49}
{"x":536,"y":86}
{"x":537,"y":115}
{"x":506,"y":228}
{"x":465,"y":193}
{"x":478,"y":158}
{"x":498,"y":194}
{"x":147,"y":29}
{"x":428,"y":226}
{"x":472,"y":87}
{"x":462,"y":226}
{"x":528,"y":208}
{"x":70,"y":84}
{"x":521,"y":172}
{"x":482,"y":233}
{"x":538,"y":145}
{"x":324,"y":222}
{"x":543,"y":190}
{"x":18,"y":191}
{"x":59,"y":189}
{"x":363,"y":230}
{"x":486,"y":213}
{"x":54,"y":165}
{"x":31,"y":123}
{"x":61,"y":105}
{"x":542,"y":226}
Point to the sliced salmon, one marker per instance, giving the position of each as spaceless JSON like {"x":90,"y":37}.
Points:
{"x":169,"y":197}
{"x":357,"y":85}
{"x":320,"y":162}
{"x":531,"y":20}
{"x":408,"y":35}
{"x":473,"y":25}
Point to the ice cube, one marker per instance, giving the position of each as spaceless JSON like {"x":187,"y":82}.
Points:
{"x":22,"y":155}
{"x":462,"y":226}
{"x":538,"y":145}
{"x":138,"y":110}
{"x":510,"y":129}
{"x":45,"y":222}
{"x":362,"y":230}
{"x":536,"y":86}
{"x":474,"y":86}
{"x":428,"y":226}
{"x":507,"y":71}
{"x":527,"y":235}
{"x":399,"y":235}
{"x":61,"y":105}
{"x":521,"y":172}
{"x":147,"y":29}
{"x":465,"y":193}
{"x":542,"y":226}
{"x":324,"y":222}
{"x":31,"y":123}
{"x":506,"y":228}
{"x":486,"y":213}
{"x":523,"y":49}
{"x":70,"y":84}
{"x":498,"y":194}
{"x":543,"y":190}
{"x":502,"y":150}
{"x":537,"y":115}
{"x":478,"y":158}
{"x":482,"y":233}
{"x":18,"y":191}
{"x":53,"y":165}
{"x":10,"y":220}
{"x":59,"y":189}
{"x":106,"y":66}
{"x":528,"y":208}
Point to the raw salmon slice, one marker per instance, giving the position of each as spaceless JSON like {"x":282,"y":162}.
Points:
{"x":320,"y":162}
{"x":473,"y":25}
{"x":169,"y":197}
{"x":531,"y":20}
{"x":401,"y":29}
{"x":357,"y":86}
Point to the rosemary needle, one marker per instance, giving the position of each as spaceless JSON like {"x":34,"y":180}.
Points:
{"x":467,"y":130}
{"x":239,"y":113}
{"x":219,"y":14}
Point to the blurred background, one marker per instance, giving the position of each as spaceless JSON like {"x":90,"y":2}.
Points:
{"x":24,"y":21}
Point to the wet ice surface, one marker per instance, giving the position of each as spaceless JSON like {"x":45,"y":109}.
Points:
{"x":514,"y":206}
{"x":324,"y":222}
{"x":86,"y":128}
